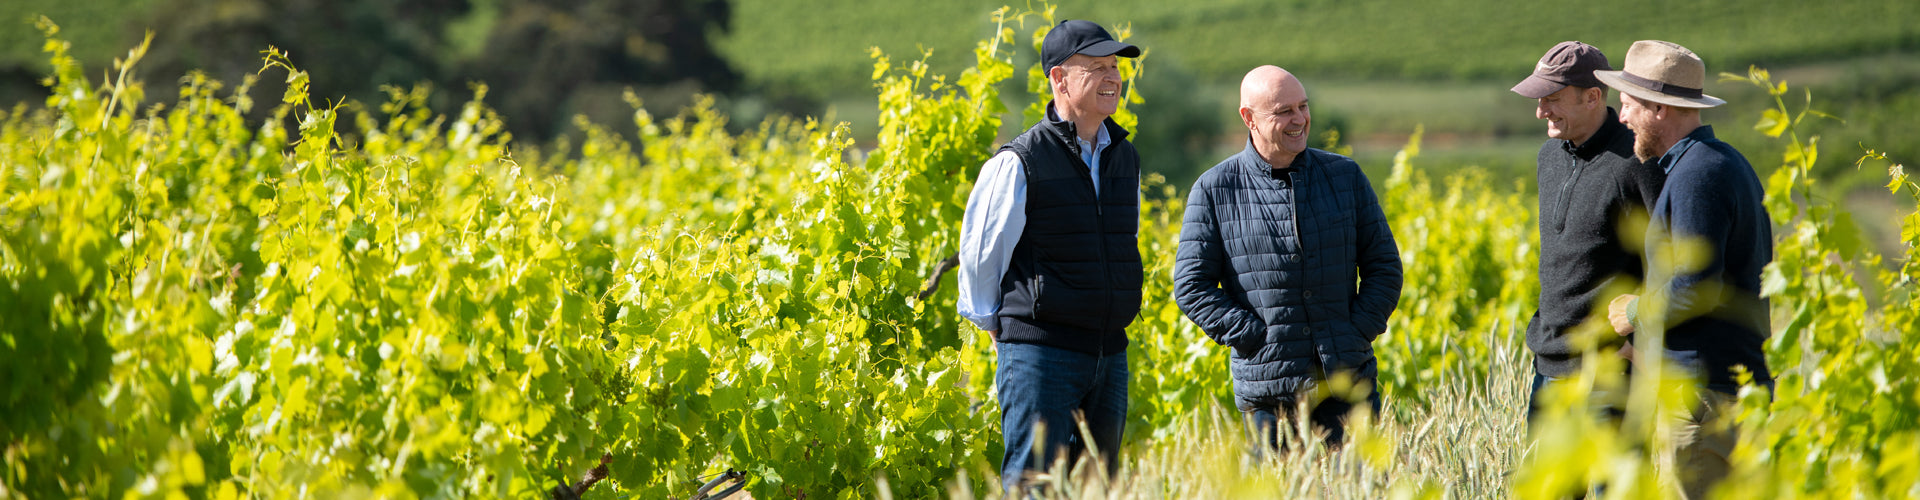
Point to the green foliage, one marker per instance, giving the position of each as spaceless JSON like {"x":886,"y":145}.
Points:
{"x":1468,"y":251}
{"x":280,"y":312}
{"x":200,"y":307}
{"x":1849,"y":404}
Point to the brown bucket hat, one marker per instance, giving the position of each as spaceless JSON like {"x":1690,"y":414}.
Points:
{"x":1662,"y":72}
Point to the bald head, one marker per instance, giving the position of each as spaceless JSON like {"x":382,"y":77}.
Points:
{"x":1266,"y":84}
{"x":1273,"y":104}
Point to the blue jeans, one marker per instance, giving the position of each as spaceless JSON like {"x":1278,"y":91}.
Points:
{"x":1050,"y":386}
{"x":1264,"y":422}
{"x":1533,"y":397}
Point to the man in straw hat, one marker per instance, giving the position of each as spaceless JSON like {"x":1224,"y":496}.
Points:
{"x":1708,"y":238}
{"x":1590,"y":185}
{"x":1050,"y":261}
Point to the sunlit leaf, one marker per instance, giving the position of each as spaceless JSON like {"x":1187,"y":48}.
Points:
{"x":1772,"y":122}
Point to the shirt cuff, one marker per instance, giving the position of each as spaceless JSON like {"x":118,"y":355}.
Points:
{"x":988,"y":323}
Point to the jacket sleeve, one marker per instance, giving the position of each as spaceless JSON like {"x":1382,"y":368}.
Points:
{"x":1378,"y":261}
{"x":1198,"y":269}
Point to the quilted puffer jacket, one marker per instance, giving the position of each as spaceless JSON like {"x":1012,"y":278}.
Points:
{"x":1297,"y":274}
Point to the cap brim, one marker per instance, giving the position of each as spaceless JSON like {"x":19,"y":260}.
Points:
{"x":1535,"y":87}
{"x":1105,"y":48}
{"x":1613,"y":79}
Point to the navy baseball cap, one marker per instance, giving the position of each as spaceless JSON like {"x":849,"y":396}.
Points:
{"x":1075,"y":36}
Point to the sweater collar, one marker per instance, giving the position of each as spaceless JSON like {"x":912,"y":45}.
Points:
{"x":1679,"y":149}
{"x":1601,"y":139}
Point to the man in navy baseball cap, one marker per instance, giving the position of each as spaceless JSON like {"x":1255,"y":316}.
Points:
{"x":1050,"y":262}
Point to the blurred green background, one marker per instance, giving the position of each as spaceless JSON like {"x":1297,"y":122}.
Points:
{"x":1374,"y":69}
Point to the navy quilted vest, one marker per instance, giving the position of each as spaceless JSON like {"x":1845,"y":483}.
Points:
{"x":1074,"y":279}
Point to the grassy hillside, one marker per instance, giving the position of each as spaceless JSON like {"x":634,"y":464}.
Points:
{"x":819,"y":45}
{"x":96,"y":28}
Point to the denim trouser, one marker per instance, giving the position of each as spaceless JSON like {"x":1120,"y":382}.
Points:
{"x":1607,"y":406}
{"x":1263,"y":422}
{"x":1048,"y":385}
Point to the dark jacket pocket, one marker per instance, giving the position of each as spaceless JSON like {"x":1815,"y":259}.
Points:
{"x":1250,"y":340}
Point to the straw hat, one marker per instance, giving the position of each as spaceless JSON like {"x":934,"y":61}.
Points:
{"x":1662,"y":72}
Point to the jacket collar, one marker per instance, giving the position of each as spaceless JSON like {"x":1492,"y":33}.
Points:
{"x":1258,"y":165}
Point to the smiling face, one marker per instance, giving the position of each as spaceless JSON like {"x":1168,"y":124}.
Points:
{"x":1273,"y":105}
{"x":1086,"y":87}
{"x":1572,"y":113}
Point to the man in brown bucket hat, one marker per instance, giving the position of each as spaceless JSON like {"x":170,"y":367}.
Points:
{"x":1708,"y":239}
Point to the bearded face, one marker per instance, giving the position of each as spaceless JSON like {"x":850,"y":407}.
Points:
{"x":1638,"y":116}
{"x":1646,"y":143}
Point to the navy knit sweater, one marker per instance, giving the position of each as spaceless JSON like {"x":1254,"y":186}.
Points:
{"x":1710,"y":224}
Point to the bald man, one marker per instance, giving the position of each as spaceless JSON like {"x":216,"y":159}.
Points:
{"x":1275,"y":239}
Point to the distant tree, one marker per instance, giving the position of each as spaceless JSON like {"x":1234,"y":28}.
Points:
{"x":20,"y":84}
{"x":1180,"y":139}
{"x":537,"y":56}
{"x":548,"y":60}
{"x":349,"y":48}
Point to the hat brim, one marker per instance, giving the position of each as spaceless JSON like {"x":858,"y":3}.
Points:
{"x":1106,"y":48}
{"x":1535,"y":87}
{"x":1613,"y":79}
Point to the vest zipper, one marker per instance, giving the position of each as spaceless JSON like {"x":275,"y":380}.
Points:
{"x":1100,"y":233}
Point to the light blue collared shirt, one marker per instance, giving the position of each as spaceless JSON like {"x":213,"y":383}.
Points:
{"x":996,"y":216}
